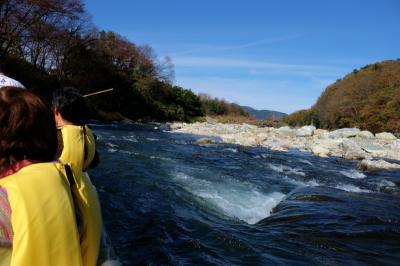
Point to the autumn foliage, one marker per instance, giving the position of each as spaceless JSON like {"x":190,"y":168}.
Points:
{"x":368,"y":98}
{"x":46,"y":44}
{"x":219,"y":107}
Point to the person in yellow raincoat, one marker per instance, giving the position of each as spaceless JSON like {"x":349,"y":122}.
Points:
{"x":40,"y":198}
{"x":76,"y":142}
{"x":77,"y":147}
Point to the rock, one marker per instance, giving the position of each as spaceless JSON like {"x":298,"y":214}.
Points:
{"x":211,"y":120}
{"x":344,"y":133}
{"x":352,"y":151}
{"x":374,"y":148}
{"x":321,"y":133}
{"x":246,"y":126}
{"x":385,"y":136}
{"x":377,"y":165}
{"x":355,"y":155}
{"x":262,"y":136}
{"x":365,"y":135}
{"x":228,"y":138}
{"x":331,"y":145}
{"x":176,"y":126}
{"x":203,"y":141}
{"x":320,"y":142}
{"x":394,"y":151}
{"x":306,"y":131}
{"x":286,"y":132}
{"x":249,"y":141}
{"x":320,"y":151}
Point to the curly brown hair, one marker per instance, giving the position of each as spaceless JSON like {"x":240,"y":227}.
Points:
{"x":27,"y":128}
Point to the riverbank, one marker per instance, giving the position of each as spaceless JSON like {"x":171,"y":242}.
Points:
{"x":373,"y":150}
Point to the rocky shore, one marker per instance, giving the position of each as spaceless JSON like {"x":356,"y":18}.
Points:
{"x":350,"y":143}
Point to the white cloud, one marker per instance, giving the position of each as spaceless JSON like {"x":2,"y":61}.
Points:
{"x":209,"y":48}
{"x":256,"y":66}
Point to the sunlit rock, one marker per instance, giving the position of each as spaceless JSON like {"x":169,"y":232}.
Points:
{"x":350,"y":143}
{"x":377,"y":165}
{"x":306,"y":131}
{"x":320,"y":151}
{"x":321,"y":133}
{"x":202,"y":141}
{"x":385,"y":136}
{"x":365,"y":134}
{"x":344,"y":133}
{"x":286,"y":132}
{"x":352,"y":151}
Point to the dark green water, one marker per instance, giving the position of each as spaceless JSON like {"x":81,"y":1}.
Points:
{"x":167,"y":201}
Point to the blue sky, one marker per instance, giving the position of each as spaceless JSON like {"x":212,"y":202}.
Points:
{"x":277,"y":55}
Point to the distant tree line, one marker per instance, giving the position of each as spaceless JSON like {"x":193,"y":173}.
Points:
{"x":214,"y":106}
{"x":368,"y":98}
{"x":46,"y":44}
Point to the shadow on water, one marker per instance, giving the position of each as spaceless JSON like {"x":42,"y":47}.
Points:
{"x":167,"y":200}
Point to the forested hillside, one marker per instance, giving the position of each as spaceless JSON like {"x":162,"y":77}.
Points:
{"x":264,"y":114}
{"x":218,"y":107}
{"x":46,"y":44}
{"x":367,"y":98}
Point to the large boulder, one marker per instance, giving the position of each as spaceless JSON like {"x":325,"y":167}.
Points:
{"x":326,"y":147}
{"x":371,"y":146}
{"x":385,"y":136}
{"x":286,"y":132}
{"x":365,"y":135}
{"x":377,"y":165}
{"x":394,"y":151}
{"x":321,"y":133}
{"x":306,"y":131}
{"x":344,"y":133}
{"x":320,"y":150}
{"x":352,"y":151}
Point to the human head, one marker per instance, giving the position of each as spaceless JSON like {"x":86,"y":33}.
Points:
{"x":70,"y":105}
{"x":27,"y":128}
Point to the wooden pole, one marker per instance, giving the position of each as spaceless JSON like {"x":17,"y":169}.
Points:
{"x":98,"y":92}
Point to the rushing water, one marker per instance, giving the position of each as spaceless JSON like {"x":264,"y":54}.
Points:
{"x":169,"y":201}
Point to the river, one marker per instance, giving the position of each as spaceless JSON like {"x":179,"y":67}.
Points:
{"x":168,"y":201}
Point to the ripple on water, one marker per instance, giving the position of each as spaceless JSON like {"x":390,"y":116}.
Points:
{"x":352,"y":173}
{"x":352,"y":188}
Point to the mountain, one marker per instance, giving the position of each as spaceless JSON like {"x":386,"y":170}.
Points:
{"x":262,"y":114}
{"x":367,"y":98}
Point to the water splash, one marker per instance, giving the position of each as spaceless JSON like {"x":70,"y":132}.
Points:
{"x":232,"y":198}
{"x":351,"y":188}
{"x":286,"y":169}
{"x":352,"y":173}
